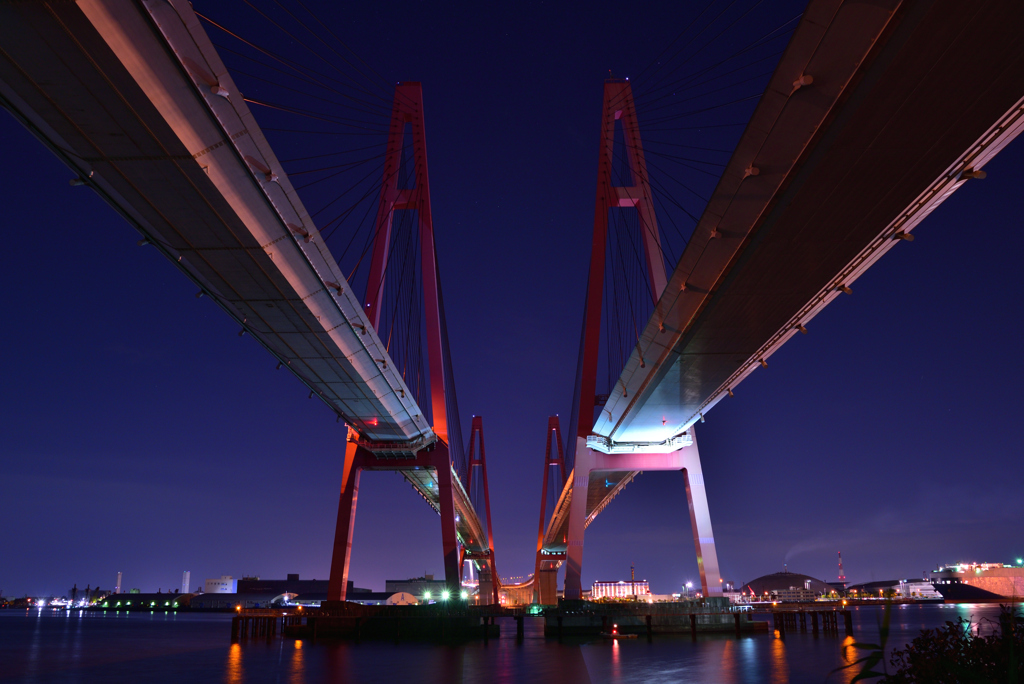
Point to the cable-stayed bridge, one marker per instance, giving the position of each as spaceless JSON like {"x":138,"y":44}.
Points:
{"x":135,"y":99}
{"x":872,"y":118}
{"x":874,"y":115}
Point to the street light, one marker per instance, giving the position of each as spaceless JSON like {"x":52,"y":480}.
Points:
{"x":444,"y":595}
{"x":465,"y":595}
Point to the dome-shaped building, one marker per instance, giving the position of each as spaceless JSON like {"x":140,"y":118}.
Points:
{"x":787,"y":586}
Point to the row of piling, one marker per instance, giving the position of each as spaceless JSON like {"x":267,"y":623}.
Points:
{"x":797,"y":619}
{"x":608,"y":623}
{"x":257,"y":626}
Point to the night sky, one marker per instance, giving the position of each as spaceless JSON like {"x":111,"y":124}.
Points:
{"x":141,"y":434}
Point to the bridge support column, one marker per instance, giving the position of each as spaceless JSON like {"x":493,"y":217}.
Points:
{"x":487,"y":586}
{"x":338,"y":585}
{"x":577,"y":519}
{"x":449,"y":538}
{"x":700,"y":520}
{"x":545,"y":582}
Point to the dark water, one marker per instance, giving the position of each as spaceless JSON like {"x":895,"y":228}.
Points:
{"x":193,"y":648}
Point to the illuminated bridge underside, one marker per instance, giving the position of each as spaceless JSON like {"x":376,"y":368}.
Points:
{"x":905,"y":97}
{"x":133,"y":97}
{"x":424,"y":478}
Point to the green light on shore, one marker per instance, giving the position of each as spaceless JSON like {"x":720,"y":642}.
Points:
{"x":426,"y":595}
{"x":444,"y":595}
{"x":465,"y":595}
{"x":1020,"y":561}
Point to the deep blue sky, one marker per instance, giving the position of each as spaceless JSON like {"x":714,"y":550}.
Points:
{"x":141,"y":434}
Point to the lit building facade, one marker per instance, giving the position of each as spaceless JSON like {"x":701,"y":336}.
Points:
{"x":224,"y":585}
{"x":620,"y":589}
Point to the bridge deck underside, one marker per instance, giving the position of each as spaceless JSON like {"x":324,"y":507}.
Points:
{"x":834,"y":178}
{"x":61,"y":78}
{"x":602,"y":487}
{"x":918,"y":101}
{"x":424,"y":480}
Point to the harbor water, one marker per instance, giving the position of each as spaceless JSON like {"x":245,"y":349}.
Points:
{"x":119,"y":647}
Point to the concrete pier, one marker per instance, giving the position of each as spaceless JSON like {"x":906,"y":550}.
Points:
{"x":703,"y":616}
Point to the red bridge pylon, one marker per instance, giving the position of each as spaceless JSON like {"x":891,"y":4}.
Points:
{"x":434,"y":459}
{"x":618,"y":106}
{"x":486,"y":571}
{"x":545,"y":573}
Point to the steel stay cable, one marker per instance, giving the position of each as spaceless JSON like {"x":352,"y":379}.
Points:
{"x":316,"y":54}
{"x":694,"y":112}
{"x":328,"y":46}
{"x":687,"y":81}
{"x":346,"y":166}
{"x":298,"y":68}
{"x":668,"y":47}
{"x":297,"y":74}
{"x":299,"y":112}
{"x":383,"y":275}
{"x":651,"y":230}
{"x":337,"y":38}
{"x":330,"y":154}
{"x":674,"y":55}
{"x":337,"y":103}
{"x":332,"y":175}
{"x":734,"y":84}
{"x":700,"y":50}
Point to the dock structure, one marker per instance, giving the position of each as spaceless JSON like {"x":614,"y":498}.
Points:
{"x":796,"y":620}
{"x":350,"y":621}
{"x":586,"y":618}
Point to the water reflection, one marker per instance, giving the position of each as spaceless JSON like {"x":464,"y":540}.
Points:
{"x":780,"y":668}
{"x":616,"y":661}
{"x":850,"y":655}
{"x":234,"y":674}
{"x":298,"y":673}
{"x":169,"y":650}
{"x":727,"y":665}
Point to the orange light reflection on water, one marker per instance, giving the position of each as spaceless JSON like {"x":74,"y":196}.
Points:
{"x":235,"y":673}
{"x":727,"y":668}
{"x":850,"y":655}
{"x":298,"y":673}
{"x":780,"y":667}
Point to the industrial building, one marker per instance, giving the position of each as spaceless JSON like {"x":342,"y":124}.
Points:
{"x":422,"y":587}
{"x":786,"y":586}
